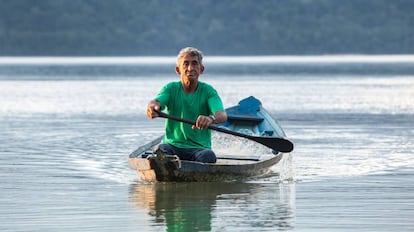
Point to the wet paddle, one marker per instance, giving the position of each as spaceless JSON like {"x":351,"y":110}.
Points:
{"x":275,"y":143}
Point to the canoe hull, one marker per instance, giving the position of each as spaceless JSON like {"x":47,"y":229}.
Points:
{"x":170,"y":168}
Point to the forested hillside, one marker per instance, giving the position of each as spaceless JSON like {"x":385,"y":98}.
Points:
{"x":225,"y":27}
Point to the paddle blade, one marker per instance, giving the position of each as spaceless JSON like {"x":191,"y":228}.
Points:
{"x":278,"y":144}
{"x":275,"y":143}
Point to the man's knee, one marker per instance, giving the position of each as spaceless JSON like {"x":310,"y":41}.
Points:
{"x":164,"y":148}
{"x":205,"y":156}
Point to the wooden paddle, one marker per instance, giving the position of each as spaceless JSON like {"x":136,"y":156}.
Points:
{"x":275,"y":143}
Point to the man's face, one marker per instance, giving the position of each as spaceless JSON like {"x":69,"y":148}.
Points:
{"x":189,"y":68}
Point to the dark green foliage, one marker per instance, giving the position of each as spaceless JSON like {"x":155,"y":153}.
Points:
{"x":226,"y":27}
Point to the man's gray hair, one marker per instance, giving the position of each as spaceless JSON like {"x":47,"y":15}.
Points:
{"x":192,"y":52}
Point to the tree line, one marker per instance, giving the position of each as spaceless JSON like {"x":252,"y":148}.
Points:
{"x":226,"y":27}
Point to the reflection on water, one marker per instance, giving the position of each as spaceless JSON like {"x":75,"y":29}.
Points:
{"x":216,"y":206}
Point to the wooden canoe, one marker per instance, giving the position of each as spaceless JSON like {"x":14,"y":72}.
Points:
{"x":232,"y":161}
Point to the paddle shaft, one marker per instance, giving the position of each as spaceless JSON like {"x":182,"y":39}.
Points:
{"x":275,"y":143}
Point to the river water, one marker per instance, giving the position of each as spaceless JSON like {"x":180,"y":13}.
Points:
{"x":68,"y":124}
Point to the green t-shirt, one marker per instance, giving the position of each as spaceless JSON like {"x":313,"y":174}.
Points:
{"x":204,"y":101}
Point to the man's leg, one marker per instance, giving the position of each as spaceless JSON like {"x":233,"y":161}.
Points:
{"x":205,"y":156}
{"x":182,"y":153}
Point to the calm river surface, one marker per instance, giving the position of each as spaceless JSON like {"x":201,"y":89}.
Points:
{"x":67,"y":126}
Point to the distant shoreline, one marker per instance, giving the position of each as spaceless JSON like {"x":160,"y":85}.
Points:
{"x":157,"y":60}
